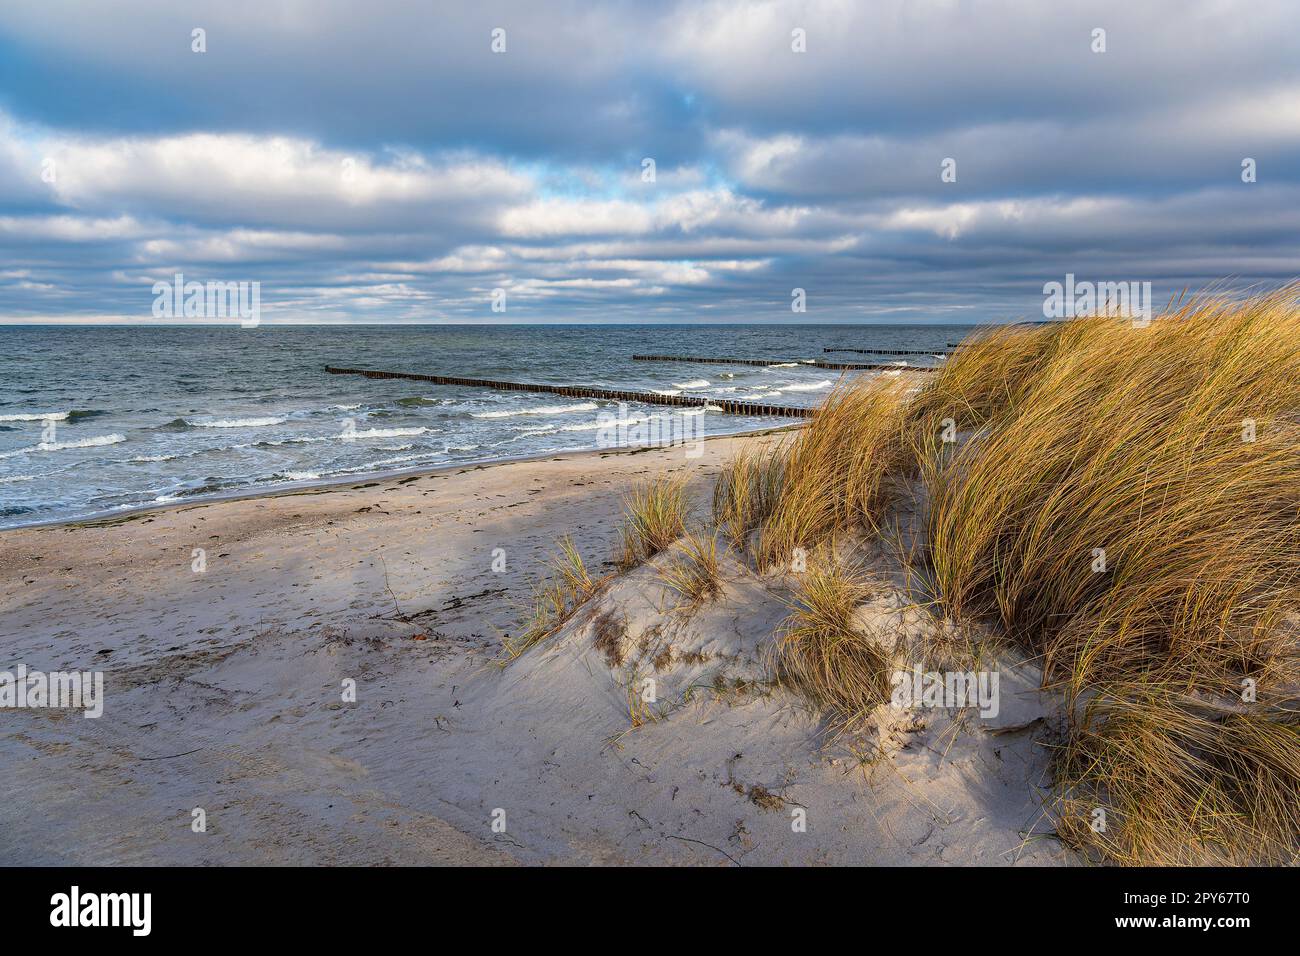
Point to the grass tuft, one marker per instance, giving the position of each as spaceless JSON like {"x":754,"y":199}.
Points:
{"x":822,"y":652}
{"x":695,"y":574}
{"x":746,"y":492}
{"x":555,"y":600}
{"x":655,"y":517}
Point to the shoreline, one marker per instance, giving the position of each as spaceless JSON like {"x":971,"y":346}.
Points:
{"x":325,"y":485}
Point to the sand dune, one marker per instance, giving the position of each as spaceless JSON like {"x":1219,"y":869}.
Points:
{"x":224,"y":693}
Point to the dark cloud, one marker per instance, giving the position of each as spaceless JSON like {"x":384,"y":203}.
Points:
{"x":382,"y":163}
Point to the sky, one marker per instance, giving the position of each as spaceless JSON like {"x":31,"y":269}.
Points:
{"x":404,"y":161}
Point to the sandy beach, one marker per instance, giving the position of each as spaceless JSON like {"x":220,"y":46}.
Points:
{"x":224,"y":693}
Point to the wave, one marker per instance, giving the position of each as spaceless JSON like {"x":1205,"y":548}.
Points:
{"x":210,"y":486}
{"x":399,"y":459}
{"x":273,"y":443}
{"x":343,"y":408}
{"x":782,"y":365}
{"x":149,"y":458}
{"x":95,"y":442}
{"x":297,"y":475}
{"x":36,"y":417}
{"x":808,"y":386}
{"x":12,"y":478}
{"x":238,"y":423}
{"x":612,"y":422}
{"x":666,"y":391}
{"x":540,"y":410}
{"x":416,"y":401}
{"x":387,"y":433}
{"x":693,"y":383}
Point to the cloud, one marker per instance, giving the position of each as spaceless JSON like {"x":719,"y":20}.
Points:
{"x":388,"y":166}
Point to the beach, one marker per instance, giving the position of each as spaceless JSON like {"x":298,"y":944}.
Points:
{"x":225,"y":687}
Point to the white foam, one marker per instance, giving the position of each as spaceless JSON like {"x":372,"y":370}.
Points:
{"x":36,"y":417}
{"x":612,"y":422}
{"x":300,"y":475}
{"x":809,"y":386}
{"x":693,"y":383}
{"x":95,"y":442}
{"x":540,"y":410}
{"x":387,"y":433}
{"x":387,"y":461}
{"x":239,"y":423}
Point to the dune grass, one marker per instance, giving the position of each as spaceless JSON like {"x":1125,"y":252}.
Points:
{"x":1122,"y":502}
{"x":555,"y":599}
{"x":1115,"y":519}
{"x":746,"y":492}
{"x":655,"y":514}
{"x":695,"y":573}
{"x":836,"y":473}
{"x":1125,"y":505}
{"x":1153,"y":778}
{"x":821,"y":650}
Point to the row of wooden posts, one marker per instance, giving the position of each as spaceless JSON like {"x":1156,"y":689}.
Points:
{"x":755,"y":409}
{"x":891,"y":351}
{"x":837,"y":366}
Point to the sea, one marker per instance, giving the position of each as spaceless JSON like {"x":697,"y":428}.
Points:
{"x":98,"y":420}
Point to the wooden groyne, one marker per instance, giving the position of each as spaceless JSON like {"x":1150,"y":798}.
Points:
{"x":836,"y":366}
{"x":890,"y":351}
{"x":581,"y":391}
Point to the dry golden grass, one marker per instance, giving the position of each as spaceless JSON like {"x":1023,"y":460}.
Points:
{"x":988,"y":374}
{"x":655,"y":514}
{"x":695,"y":574}
{"x":1126,"y":506}
{"x":746,"y":492}
{"x":555,"y":600}
{"x":837,"y":471}
{"x":1113,"y":518}
{"x":821,"y":650}
{"x":1153,"y":778}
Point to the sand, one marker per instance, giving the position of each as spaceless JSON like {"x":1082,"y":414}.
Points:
{"x":224,"y":693}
